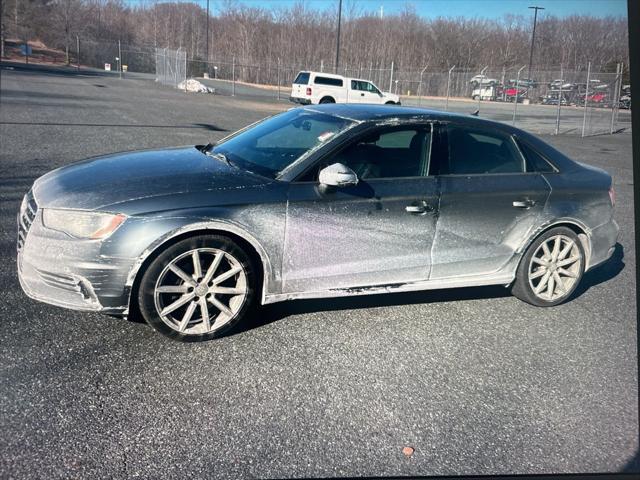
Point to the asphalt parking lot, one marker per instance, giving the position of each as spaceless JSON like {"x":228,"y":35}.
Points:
{"x":474,"y":380}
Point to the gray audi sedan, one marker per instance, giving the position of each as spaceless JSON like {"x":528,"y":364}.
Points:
{"x":319,"y":201}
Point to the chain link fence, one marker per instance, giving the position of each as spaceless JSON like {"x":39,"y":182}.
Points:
{"x":587,"y":101}
{"x":171,"y":66}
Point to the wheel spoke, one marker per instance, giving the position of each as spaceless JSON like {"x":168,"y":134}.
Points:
{"x":213,"y":267}
{"x":227,"y":274}
{"x":551,"y":287}
{"x":545,"y":249}
{"x":228,"y":290}
{"x":556,"y":249}
{"x":221,"y":306}
{"x":567,"y":273}
{"x":559,"y":282}
{"x":540,"y":261}
{"x":173,"y":289}
{"x":538,"y":273}
{"x":568,"y":261}
{"x":197,"y":268}
{"x":565,"y":251}
{"x":181,"y":273}
{"x":188,"y":314}
{"x":543,"y":283}
{"x":178,"y":303}
{"x":205,"y":313}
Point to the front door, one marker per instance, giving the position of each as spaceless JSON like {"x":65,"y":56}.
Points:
{"x":378,"y":232}
{"x":489,"y":202}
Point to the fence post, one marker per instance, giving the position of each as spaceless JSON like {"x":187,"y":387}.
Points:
{"x":446,"y":105}
{"x":586,"y":98}
{"x":515,"y":106}
{"x":614,"y":102}
{"x":559,"y":102}
{"x":480,"y":87}
{"x":233,"y":77}
{"x":420,"y":85}
{"x":391,"y":77}
{"x":322,"y":65}
{"x":78,"y":51}
{"x":279,"y":78}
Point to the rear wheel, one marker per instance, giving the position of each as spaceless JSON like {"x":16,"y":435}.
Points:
{"x":551,"y":269}
{"x":327,"y":100}
{"x":390,"y":103}
{"x":198,"y":288}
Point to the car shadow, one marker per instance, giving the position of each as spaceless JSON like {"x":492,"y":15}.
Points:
{"x":267,"y":314}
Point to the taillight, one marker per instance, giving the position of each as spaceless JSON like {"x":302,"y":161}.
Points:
{"x":308,"y":90}
{"x":612,"y":195}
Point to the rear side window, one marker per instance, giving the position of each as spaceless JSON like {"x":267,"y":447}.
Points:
{"x":302,"y":78}
{"x":334,"y":82}
{"x":535,"y":161}
{"x":477,"y":151}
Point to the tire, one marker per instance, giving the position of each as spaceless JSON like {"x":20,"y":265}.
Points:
{"x":174,"y":303}
{"x":531,"y":274}
{"x":327,"y":100}
{"x":390,"y":103}
{"x":475,"y":97}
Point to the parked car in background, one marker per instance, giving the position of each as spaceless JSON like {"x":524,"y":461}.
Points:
{"x":523,"y":82}
{"x":482,"y":80}
{"x":486,"y":92}
{"x":317,"y":87}
{"x":315,"y":202}
{"x":509,"y":93}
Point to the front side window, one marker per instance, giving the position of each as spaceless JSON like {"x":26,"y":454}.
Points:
{"x":386,"y":153}
{"x":274,"y":144}
{"x":371,"y":87}
{"x":478,"y":151}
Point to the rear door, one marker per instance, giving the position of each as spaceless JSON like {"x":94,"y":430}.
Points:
{"x":489,"y":201}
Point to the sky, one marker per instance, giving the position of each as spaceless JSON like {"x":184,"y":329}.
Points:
{"x":465,"y":8}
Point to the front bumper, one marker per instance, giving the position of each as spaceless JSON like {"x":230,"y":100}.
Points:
{"x":57,"y":269}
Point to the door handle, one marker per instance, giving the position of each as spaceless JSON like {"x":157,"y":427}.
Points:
{"x":524,"y":203}
{"x":416,"y":208}
{"x":362,"y":94}
{"x":419,"y":208}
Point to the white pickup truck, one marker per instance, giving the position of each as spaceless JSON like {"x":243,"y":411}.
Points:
{"x":317,"y":87}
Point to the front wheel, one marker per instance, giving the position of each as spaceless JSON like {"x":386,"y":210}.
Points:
{"x":551,"y":269}
{"x":198,"y":288}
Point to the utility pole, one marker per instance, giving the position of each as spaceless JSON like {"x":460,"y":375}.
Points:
{"x":533,"y":38}
{"x":207,"y":48}
{"x":338,"y":36}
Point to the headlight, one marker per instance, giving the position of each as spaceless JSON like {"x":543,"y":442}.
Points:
{"x":80,"y":224}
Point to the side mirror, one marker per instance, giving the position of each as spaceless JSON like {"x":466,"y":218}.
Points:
{"x":338,"y":175}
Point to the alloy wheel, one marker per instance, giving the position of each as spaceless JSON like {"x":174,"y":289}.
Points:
{"x":200,"y":291}
{"x":555,"y":268}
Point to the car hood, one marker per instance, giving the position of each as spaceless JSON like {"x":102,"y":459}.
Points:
{"x":111,"y":182}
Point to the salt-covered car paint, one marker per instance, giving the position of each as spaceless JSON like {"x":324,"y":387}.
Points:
{"x":310,"y":241}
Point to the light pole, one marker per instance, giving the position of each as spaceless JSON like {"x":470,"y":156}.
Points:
{"x":207,"y":47}
{"x":533,"y":38}
{"x":338,"y":36}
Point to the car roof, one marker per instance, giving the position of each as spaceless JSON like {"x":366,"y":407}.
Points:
{"x":371,"y":113}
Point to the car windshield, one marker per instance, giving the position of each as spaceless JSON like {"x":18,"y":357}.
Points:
{"x":272,"y":145}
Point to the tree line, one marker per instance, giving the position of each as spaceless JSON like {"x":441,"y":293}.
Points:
{"x":302,"y":37}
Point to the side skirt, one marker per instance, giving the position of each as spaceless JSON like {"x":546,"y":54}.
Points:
{"x":474,"y":281}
